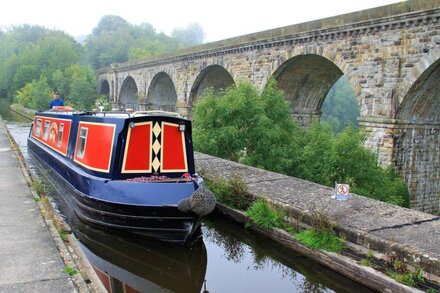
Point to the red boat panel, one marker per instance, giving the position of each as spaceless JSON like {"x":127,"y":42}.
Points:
{"x":96,"y":150}
{"x":138,"y":149}
{"x":104,"y":278}
{"x":173,"y":155}
{"x":52,"y":132}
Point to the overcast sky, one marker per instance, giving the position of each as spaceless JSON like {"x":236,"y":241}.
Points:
{"x":219,"y":19}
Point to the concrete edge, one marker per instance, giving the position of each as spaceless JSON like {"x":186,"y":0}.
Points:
{"x":70,"y":252}
{"x":346,"y":266}
{"x":412,"y":255}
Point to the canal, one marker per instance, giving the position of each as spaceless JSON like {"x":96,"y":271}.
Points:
{"x":228,"y":257}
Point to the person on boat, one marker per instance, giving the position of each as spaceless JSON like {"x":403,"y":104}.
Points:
{"x":56,"y":100}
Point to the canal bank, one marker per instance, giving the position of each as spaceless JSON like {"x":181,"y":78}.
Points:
{"x":29,"y":256}
{"x":238,"y":259}
{"x":304,"y":197}
{"x":388,"y":233}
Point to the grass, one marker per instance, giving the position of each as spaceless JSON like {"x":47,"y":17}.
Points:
{"x":63,"y":234}
{"x":324,"y":240}
{"x":39,"y":187}
{"x":70,"y":271}
{"x":413,"y":279}
{"x":367,"y":261}
{"x":232,"y":192}
{"x":265,"y":216}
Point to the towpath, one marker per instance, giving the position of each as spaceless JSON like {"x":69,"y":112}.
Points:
{"x":29,"y":259}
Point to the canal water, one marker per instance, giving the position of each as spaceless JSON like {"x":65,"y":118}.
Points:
{"x":228,"y":257}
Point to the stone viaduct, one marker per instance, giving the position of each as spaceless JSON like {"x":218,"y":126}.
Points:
{"x":389,"y":54}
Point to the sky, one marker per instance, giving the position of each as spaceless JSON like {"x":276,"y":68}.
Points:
{"x":219,"y":19}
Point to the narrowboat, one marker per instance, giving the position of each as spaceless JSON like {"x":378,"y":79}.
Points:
{"x":130,"y":172}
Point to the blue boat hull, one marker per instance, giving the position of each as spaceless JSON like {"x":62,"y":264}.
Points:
{"x":149,"y":209}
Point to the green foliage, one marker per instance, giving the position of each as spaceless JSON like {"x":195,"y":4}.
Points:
{"x":81,"y":90}
{"x":70,"y":271}
{"x":258,"y":130}
{"x":115,"y":40}
{"x":265,"y":216}
{"x":413,"y":279}
{"x":102,"y":101}
{"x":340,"y":107}
{"x":35,"y":94}
{"x":232,"y":192}
{"x":192,"y":35}
{"x":246,"y":127}
{"x":366,"y":262}
{"x":324,"y":239}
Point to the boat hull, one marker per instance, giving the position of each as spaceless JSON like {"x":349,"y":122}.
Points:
{"x":165,"y":223}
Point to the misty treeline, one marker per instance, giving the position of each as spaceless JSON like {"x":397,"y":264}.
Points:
{"x":258,"y":130}
{"x":35,"y":61}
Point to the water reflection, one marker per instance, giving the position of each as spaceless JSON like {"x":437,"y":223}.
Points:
{"x":139,"y":265}
{"x":230,"y":258}
{"x":256,"y":264}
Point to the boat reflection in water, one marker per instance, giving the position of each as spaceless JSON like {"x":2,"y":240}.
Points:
{"x":140,"y":265}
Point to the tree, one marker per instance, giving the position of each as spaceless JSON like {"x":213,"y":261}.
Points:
{"x":340,"y":107}
{"x":258,"y":130}
{"x":29,"y":53}
{"x":192,"y":35}
{"x":244,"y":126}
{"x":81,"y":93}
{"x":35,"y":94}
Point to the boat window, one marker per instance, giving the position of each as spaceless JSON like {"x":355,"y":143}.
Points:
{"x":38,"y":129}
{"x":82,"y":142}
{"x":46,"y":130}
{"x":60,"y":134}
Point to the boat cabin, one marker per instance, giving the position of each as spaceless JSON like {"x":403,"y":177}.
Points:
{"x":118,"y":145}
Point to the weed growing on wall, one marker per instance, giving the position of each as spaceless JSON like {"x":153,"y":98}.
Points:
{"x":325,"y":240}
{"x":265,"y":216}
{"x":232,"y":192}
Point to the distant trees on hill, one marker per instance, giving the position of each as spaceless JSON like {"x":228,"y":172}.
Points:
{"x":34,"y":60}
{"x":116,"y":40}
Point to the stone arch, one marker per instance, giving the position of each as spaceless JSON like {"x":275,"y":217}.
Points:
{"x":213,"y":76}
{"x":162,"y":93}
{"x":305,"y":80}
{"x":128,"y":96}
{"x":417,"y":137}
{"x":421,"y":102}
{"x":414,"y":76}
{"x":105,"y":89}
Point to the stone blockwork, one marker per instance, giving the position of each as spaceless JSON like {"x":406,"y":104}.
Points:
{"x":389,"y":54}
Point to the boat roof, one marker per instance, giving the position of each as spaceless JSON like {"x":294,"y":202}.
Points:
{"x":115,"y":114}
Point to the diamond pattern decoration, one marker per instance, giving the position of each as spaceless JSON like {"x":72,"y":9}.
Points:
{"x":156,"y":164}
{"x":156,"y":147}
{"x":157,"y":129}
